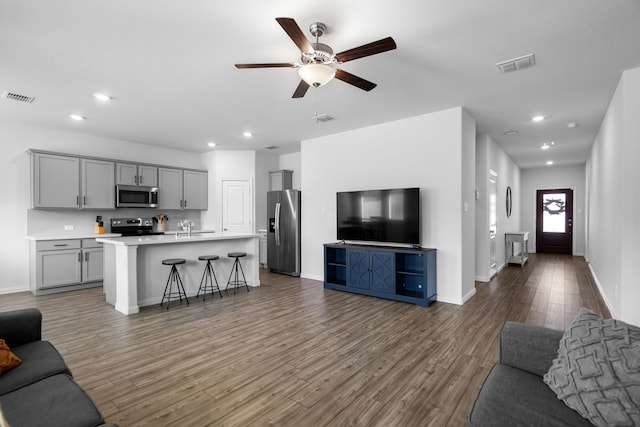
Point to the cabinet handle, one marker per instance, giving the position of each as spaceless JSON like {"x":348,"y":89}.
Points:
{"x":86,"y":256}
{"x":140,"y":179}
{"x":84,"y":200}
{"x":79,"y":257}
{"x":135,"y":179}
{"x":60,"y":244}
{"x":77,"y":200}
{"x":185,"y":203}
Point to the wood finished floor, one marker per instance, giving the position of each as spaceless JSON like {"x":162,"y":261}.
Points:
{"x":291,"y":353}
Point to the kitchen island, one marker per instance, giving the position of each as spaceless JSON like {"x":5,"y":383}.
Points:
{"x":135,"y":277}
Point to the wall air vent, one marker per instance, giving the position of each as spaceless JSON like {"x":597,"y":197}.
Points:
{"x":322,"y":118}
{"x":516,"y":64}
{"x":18,"y":97}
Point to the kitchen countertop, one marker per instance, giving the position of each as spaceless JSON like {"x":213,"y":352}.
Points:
{"x":171,"y":239}
{"x":68,"y":236}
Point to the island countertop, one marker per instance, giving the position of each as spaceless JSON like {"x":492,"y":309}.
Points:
{"x":134,"y":275}
{"x":162,"y":239}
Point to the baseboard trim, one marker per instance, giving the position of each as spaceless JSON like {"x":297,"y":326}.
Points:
{"x":602,"y":293}
{"x":14,"y":290}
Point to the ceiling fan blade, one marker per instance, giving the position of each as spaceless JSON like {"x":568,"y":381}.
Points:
{"x":355,"y":80}
{"x":366,"y":50}
{"x":267,"y":65}
{"x":301,"y":89}
{"x":290,"y":26}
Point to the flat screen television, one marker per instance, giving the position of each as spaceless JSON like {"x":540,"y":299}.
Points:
{"x":387,"y":216}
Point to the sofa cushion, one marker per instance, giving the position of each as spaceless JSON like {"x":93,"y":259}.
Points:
{"x":8,"y":360}
{"x":51,"y":402}
{"x":513,"y":397}
{"x":40,"y":360}
{"x":597,"y":371}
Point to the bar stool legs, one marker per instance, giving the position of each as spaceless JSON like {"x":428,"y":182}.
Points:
{"x":174,"y":277}
{"x":209,"y":279}
{"x":236,"y":282}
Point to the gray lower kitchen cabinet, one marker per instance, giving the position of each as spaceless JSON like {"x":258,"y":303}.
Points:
{"x":133,"y":174}
{"x":64,"y":265}
{"x":182,"y":189}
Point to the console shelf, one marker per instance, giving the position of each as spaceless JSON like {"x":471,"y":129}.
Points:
{"x":401,"y":274}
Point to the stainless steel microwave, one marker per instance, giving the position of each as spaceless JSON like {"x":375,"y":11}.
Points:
{"x":136,"y":196}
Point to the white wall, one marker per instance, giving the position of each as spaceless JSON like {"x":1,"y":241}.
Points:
{"x":15,"y":193}
{"x":489,"y":156}
{"x":226,"y":165}
{"x":292,"y":162}
{"x":264,"y":164}
{"x":424,"y":151}
{"x":551,"y":178}
{"x":613,"y":231}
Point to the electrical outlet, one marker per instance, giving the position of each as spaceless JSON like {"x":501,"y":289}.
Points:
{"x":69,"y":227}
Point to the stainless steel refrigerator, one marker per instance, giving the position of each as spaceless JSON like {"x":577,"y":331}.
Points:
{"x":283,"y":236}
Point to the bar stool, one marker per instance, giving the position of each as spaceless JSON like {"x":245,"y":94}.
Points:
{"x":208,"y":277}
{"x":234,"y":269}
{"x":174,"y":277}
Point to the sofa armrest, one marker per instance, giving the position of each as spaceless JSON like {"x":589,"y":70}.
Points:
{"x":528,"y":347}
{"x":20,"y":327}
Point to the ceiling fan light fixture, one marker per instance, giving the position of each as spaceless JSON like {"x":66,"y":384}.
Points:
{"x":316,"y":74}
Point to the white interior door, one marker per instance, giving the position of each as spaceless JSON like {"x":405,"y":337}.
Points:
{"x":493,"y":222}
{"x":237,"y":207}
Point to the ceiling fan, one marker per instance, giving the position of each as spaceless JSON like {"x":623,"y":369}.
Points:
{"x":319,"y":63}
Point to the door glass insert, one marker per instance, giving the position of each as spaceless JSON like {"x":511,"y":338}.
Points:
{"x":553,"y":213}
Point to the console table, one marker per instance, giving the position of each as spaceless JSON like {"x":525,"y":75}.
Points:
{"x":520,"y":237}
{"x":401,"y":274}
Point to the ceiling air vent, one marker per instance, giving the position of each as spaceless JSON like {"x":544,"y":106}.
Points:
{"x":322,"y":118}
{"x":270,"y":147}
{"x":516,"y":64}
{"x":18,"y":97}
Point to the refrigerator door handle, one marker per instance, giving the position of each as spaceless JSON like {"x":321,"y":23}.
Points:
{"x":278,"y":224}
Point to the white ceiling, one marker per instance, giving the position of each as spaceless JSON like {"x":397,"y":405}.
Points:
{"x":169,"y":67}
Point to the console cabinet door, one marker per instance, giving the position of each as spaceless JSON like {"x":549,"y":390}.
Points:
{"x":58,"y":268}
{"x":98,"y":189}
{"x":383,"y":271}
{"x":195,"y":190}
{"x":55,"y":181}
{"x":358,"y":269}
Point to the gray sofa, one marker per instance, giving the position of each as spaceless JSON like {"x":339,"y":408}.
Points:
{"x":514,"y":393}
{"x":40,"y":391}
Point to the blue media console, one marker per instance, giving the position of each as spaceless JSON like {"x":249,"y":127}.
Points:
{"x":401,"y":274}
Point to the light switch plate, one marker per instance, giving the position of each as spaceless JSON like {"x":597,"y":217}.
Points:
{"x":69,"y":227}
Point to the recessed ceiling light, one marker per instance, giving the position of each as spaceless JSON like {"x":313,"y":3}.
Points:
{"x":550,"y":162}
{"x":571,"y":125}
{"x":538,"y":118}
{"x":547,"y":145}
{"x":77,"y":117}
{"x":247,"y":134}
{"x":101,"y":97}
{"x":211,"y":144}
{"x":511,"y":133}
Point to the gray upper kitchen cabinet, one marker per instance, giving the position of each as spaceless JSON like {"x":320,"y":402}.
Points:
{"x":133,"y":174}
{"x":195,"y":190}
{"x":55,"y":181}
{"x":71,"y":182}
{"x":98,"y":191}
{"x":182,"y":189}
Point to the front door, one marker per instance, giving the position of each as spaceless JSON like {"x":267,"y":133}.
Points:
{"x":554,"y":221}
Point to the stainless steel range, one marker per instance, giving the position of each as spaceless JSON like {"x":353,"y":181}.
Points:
{"x":133,"y":226}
